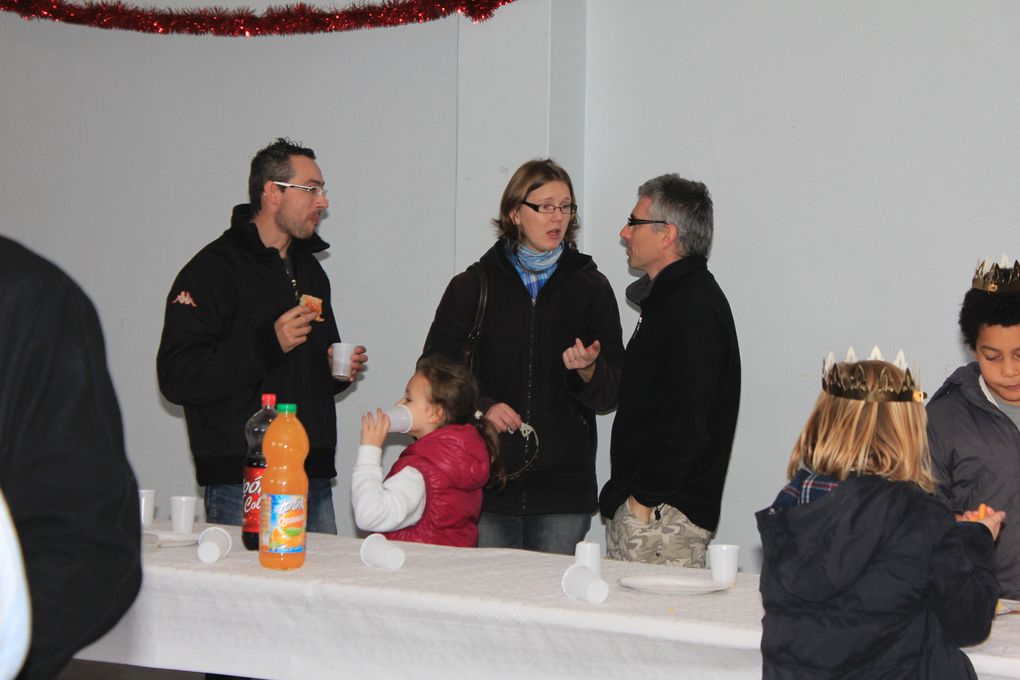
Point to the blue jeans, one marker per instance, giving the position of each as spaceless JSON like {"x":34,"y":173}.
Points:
{"x":223,"y":505}
{"x":542,"y":533}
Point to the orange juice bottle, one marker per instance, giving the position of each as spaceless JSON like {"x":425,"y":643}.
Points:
{"x":284,"y":492}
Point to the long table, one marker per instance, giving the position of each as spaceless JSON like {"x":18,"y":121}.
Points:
{"x":448,"y":613}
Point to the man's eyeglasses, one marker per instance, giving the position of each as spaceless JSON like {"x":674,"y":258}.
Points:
{"x":635,"y":222}
{"x":318,"y":191}
{"x":549,"y":209}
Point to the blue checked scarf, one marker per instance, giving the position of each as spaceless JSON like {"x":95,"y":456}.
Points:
{"x":534,"y":267}
{"x":805,"y":487}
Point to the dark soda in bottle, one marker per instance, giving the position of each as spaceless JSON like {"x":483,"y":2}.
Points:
{"x":254,"y":466}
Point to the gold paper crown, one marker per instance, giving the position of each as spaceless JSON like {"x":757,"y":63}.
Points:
{"x":997,"y":278}
{"x":854,"y":384}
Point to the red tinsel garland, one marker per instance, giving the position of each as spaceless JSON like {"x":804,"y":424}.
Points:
{"x":298,"y":18}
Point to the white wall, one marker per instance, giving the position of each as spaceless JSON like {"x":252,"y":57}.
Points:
{"x":859,"y":155}
{"x":124,"y":153}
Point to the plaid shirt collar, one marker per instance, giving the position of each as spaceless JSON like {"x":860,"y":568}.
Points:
{"x":805,"y":487}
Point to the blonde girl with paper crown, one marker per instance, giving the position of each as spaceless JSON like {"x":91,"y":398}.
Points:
{"x":866,"y":574}
{"x":433,"y":492}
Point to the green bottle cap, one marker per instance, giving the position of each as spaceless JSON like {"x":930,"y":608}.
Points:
{"x":286,"y":408}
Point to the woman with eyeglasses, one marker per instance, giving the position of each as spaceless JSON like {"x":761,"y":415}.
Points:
{"x":548,"y":356}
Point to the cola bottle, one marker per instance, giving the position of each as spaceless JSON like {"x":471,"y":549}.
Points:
{"x":254,"y":466}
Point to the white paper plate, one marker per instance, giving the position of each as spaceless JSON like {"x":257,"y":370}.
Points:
{"x":672,"y":585}
{"x":169,"y":539}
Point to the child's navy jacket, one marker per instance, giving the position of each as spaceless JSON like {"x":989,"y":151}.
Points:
{"x":875,"y":580}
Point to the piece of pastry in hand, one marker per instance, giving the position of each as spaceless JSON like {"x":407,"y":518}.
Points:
{"x":313,"y":304}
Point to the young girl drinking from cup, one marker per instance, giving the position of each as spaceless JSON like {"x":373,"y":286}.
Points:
{"x":866,"y":574}
{"x":433,"y":492}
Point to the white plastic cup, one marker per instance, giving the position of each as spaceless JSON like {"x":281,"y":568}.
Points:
{"x":580,"y":583}
{"x":723,"y":559}
{"x":400,"y":419}
{"x":589,"y":554}
{"x":213,"y":543}
{"x":182,"y":513}
{"x":342,"y":352}
{"x":147,"y":505}
{"x":377,"y":552}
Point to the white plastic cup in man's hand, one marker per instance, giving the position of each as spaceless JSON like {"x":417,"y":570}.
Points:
{"x":213,"y":543}
{"x":723,"y":560}
{"x":182,"y":513}
{"x":377,"y":552}
{"x":589,"y":554}
{"x":147,"y":505}
{"x":581,"y":583}
{"x":342,"y":352}
{"x":400,"y":419}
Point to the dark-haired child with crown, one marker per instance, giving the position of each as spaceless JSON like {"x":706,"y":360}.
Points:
{"x":866,"y":573}
{"x":974,"y":418}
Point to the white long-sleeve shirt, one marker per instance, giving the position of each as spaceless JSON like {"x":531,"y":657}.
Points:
{"x":15,"y":612}
{"x":397,"y":503}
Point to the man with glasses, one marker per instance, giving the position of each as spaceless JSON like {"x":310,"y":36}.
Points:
{"x":680,"y":386}
{"x":235,"y":328}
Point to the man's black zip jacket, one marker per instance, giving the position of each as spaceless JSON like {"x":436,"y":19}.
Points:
{"x":219,"y":351}
{"x":679,"y":395}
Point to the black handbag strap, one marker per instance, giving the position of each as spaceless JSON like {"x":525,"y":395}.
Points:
{"x":476,"y":328}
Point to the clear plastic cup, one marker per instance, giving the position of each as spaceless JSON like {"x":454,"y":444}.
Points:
{"x":377,"y":552}
{"x":400,"y":419}
{"x":182,"y":513}
{"x":723,"y":560}
{"x":581,"y":583}
{"x":147,"y":505}
{"x":213,"y":543}
{"x":342,"y":352}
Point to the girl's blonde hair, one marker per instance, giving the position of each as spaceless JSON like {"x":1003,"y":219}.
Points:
{"x":883,"y":438}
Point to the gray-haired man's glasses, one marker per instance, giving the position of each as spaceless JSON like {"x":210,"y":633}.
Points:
{"x":635,"y":222}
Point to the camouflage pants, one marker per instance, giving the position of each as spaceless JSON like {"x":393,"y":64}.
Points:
{"x":673,"y":539}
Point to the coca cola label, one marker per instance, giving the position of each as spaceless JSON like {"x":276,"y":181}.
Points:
{"x":252,"y":509}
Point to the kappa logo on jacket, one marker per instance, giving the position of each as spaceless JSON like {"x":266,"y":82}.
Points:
{"x":184,"y":298}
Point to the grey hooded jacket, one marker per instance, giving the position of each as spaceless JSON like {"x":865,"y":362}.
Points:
{"x":975,"y":449}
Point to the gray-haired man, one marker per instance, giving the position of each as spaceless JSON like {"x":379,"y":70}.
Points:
{"x":680,"y":387}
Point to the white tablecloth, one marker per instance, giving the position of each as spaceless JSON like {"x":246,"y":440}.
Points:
{"x":449,"y":613}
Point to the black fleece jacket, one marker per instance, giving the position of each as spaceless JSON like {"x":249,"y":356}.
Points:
{"x":520,"y":363}
{"x":70,"y":489}
{"x":679,"y":395}
{"x":219,"y":351}
{"x":875,"y":581}
{"x":975,"y":449}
